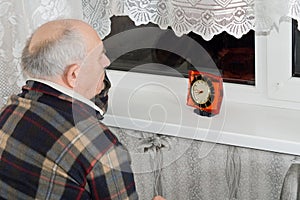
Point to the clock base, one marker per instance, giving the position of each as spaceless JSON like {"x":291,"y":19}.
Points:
{"x":203,"y":113}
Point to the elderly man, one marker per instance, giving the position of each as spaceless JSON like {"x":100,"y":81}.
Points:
{"x":52,"y":144}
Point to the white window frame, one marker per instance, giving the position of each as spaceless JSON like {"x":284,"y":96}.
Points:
{"x":281,"y":84}
{"x":274,"y":86}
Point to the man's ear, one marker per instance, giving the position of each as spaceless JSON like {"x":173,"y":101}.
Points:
{"x":71,"y":74}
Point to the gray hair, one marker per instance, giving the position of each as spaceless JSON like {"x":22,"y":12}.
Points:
{"x":51,"y":57}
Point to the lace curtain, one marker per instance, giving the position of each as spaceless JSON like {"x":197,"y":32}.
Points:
{"x":204,"y":17}
{"x":196,"y":170}
{"x":18,"y":18}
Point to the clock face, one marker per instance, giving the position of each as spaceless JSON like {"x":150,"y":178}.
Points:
{"x":205,"y":93}
{"x":202,"y":91}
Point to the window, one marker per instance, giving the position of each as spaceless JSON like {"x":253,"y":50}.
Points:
{"x":267,"y":80}
{"x":234,"y":58}
{"x":157,"y":103}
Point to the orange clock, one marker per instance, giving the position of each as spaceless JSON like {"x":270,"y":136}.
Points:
{"x":205,"y":93}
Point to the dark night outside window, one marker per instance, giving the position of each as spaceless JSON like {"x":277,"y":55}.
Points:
{"x":234,"y":57}
{"x":296,"y":50}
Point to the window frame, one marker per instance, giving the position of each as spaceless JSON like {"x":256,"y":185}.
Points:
{"x":274,"y":86}
{"x":281,"y":84}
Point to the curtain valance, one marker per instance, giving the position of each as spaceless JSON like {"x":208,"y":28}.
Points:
{"x":204,"y":17}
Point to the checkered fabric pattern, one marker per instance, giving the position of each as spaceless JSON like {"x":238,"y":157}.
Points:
{"x":55,"y":147}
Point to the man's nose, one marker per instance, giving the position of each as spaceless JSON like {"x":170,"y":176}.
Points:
{"x":107,"y":61}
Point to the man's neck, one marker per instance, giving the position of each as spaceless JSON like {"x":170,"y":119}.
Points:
{"x":67,"y":91}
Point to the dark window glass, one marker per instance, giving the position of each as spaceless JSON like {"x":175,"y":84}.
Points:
{"x":296,"y":50}
{"x":233,"y":57}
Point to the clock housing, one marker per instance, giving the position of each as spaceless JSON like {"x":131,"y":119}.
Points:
{"x":205,"y":92}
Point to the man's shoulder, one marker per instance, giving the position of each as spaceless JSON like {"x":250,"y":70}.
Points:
{"x":98,"y":139}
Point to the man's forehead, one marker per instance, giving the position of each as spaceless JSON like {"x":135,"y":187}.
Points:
{"x":98,"y":48}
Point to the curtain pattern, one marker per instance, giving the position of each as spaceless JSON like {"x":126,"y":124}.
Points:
{"x":18,"y":18}
{"x":204,"y":17}
{"x":17,"y":21}
{"x":196,"y":170}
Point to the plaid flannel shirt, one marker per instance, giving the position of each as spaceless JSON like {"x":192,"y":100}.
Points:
{"x":54,"y":147}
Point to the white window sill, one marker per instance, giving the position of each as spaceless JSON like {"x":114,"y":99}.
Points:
{"x":157,"y":104}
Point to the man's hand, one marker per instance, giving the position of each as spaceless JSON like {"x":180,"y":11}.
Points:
{"x":158,"y":198}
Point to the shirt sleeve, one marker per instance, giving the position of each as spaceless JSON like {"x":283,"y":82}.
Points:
{"x":112,"y":177}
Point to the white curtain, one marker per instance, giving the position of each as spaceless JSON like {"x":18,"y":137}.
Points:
{"x":269,"y":13}
{"x":204,"y":17}
{"x":18,"y":18}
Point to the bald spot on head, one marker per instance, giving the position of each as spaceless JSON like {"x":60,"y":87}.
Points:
{"x":53,"y":30}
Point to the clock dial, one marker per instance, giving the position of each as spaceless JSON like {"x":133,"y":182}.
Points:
{"x":205,"y":93}
{"x":202,"y":91}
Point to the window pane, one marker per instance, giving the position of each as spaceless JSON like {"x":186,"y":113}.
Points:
{"x":233,"y":57}
{"x":296,"y":50}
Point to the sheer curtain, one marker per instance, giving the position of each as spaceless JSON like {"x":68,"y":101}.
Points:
{"x":269,"y":13}
{"x":204,"y":17}
{"x":18,"y":18}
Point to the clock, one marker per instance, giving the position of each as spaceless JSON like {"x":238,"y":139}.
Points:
{"x":205,"y":93}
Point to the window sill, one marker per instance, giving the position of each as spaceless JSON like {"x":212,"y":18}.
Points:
{"x":157,"y":104}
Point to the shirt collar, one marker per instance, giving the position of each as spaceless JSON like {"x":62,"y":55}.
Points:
{"x":70,"y":93}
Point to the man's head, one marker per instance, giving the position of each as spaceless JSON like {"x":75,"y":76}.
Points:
{"x":68,"y":52}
